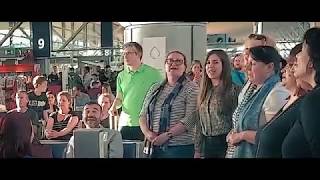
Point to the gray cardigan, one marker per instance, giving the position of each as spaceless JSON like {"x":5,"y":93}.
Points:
{"x":115,"y":145}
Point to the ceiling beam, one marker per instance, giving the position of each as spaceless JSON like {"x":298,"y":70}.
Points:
{"x":59,"y":35}
{"x":11,"y":31}
{"x":24,"y":32}
{"x":73,"y":35}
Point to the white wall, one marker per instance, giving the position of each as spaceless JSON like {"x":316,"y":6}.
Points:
{"x":178,"y":37}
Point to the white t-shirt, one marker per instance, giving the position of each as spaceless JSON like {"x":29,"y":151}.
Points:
{"x":275,"y":100}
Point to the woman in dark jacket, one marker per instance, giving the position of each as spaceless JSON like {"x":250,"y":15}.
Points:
{"x":303,"y":139}
{"x":270,"y":137}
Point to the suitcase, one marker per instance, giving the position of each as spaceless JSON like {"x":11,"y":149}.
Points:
{"x":90,"y":143}
{"x":133,"y":149}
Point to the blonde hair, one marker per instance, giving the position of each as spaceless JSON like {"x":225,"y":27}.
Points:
{"x":107,"y":95}
{"x":38,"y":80}
{"x":268,"y":41}
{"x":67,"y":95}
{"x":107,"y":87}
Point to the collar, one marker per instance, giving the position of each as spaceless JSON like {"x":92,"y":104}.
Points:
{"x":100,"y":126}
{"x":140,"y":69}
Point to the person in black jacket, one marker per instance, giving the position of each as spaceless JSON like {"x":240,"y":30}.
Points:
{"x":303,"y":140}
{"x":270,"y":137}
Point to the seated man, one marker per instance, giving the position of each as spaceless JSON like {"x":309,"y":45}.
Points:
{"x":95,"y":79}
{"x":80,"y":98}
{"x":94,"y":91}
{"x":22,"y":101}
{"x":91,"y":118}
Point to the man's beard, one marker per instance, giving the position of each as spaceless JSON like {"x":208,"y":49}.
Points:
{"x":92,"y":122}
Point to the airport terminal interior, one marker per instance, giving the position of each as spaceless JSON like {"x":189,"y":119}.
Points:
{"x":159,"y":89}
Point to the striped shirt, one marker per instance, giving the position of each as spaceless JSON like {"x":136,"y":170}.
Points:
{"x":60,"y":125}
{"x":182,"y":107}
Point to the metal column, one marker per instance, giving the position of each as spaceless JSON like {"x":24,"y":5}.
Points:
{"x":258,"y":27}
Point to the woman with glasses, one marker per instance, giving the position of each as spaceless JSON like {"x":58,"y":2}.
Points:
{"x":164,"y":119}
{"x":303,"y":139}
{"x":217,"y":100}
{"x":270,"y":137}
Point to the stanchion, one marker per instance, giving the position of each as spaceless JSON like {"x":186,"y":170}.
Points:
{"x":114,"y":122}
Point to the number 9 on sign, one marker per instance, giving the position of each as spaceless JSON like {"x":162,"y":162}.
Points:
{"x":41,"y":43}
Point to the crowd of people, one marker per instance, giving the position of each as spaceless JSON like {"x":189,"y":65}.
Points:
{"x":254,"y":105}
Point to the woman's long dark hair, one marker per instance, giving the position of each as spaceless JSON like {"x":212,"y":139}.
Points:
{"x":15,"y":135}
{"x":312,"y":39}
{"x":225,"y":79}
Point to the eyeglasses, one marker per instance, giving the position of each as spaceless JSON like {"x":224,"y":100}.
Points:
{"x":257,"y":37}
{"x":175,"y":61}
{"x":128,"y":53}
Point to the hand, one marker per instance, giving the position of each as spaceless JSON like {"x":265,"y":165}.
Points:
{"x":151,"y":135}
{"x":235,"y":138}
{"x":231,"y":132}
{"x":52,"y":134}
{"x":197,"y":155}
{"x":113,"y":111}
{"x":47,"y":133}
{"x":161,"y":139}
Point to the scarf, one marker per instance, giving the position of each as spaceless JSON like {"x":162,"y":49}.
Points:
{"x":166,"y":106}
{"x":249,"y":117}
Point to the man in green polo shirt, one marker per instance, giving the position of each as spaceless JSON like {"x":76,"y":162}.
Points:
{"x":133,"y":84}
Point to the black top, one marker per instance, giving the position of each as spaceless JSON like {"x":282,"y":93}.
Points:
{"x":303,"y":140}
{"x":269,"y":138}
{"x":53,"y":78}
{"x":32,"y":115}
{"x":105,"y":123}
{"x":38,"y":103}
{"x":55,"y":108}
{"x":59,"y":125}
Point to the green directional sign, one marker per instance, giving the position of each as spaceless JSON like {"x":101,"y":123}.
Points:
{"x":9,"y":52}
